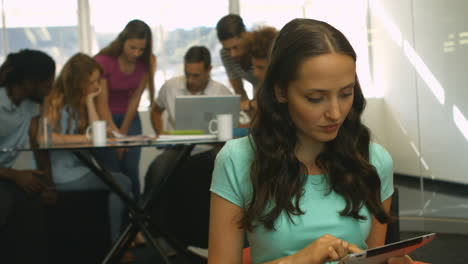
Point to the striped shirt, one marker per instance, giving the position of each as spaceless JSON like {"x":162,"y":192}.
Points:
{"x":234,"y":69}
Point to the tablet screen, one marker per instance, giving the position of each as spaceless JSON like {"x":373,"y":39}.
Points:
{"x":381,"y":254}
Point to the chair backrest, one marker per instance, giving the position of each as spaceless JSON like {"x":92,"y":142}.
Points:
{"x":188,"y":193}
{"x":393,"y":229}
{"x":160,"y":169}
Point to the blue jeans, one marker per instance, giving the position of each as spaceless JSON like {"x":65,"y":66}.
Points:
{"x":116,"y":206}
{"x":129,"y":165}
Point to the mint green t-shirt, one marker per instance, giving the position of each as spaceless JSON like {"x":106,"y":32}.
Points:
{"x":231,"y":180}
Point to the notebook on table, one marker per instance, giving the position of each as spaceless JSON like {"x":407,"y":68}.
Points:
{"x":194,"y":112}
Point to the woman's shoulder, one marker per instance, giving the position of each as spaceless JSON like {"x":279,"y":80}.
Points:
{"x":377,"y":150}
{"x":105,"y":60}
{"x":242,"y":144}
{"x":238,"y":150}
{"x":380,"y":157}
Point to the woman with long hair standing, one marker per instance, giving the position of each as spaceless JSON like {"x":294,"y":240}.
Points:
{"x":129,"y":65}
{"x":308,"y":185}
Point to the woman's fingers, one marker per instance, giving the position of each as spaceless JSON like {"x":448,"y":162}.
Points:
{"x":333,"y":254}
{"x":342,"y":248}
{"x":339,"y":249}
{"x":353,"y":248}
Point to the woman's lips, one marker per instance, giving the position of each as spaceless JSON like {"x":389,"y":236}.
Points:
{"x":331,"y":128}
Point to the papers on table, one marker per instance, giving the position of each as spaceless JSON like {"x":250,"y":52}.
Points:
{"x":136,"y":138}
{"x":164,"y":138}
{"x":161,"y":138}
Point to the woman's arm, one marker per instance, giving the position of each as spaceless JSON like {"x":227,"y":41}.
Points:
{"x":66,"y":138}
{"x":378,"y":233}
{"x":133,"y":106}
{"x":225,"y":237}
{"x":102,"y":107}
{"x":58,"y":138}
{"x":225,"y":240}
{"x":91,"y":105}
{"x":153,"y":68}
{"x":378,"y":230}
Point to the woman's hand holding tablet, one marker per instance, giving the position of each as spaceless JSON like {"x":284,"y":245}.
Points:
{"x":381,"y":255}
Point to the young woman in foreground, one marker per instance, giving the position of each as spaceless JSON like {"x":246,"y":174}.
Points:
{"x":307,"y":185}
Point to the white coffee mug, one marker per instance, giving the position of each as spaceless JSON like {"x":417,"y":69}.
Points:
{"x":98,"y":133}
{"x":224,"y":126}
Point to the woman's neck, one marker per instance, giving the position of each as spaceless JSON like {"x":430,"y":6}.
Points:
{"x":125,"y":65}
{"x":307,"y":151}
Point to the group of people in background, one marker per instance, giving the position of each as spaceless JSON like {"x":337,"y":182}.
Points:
{"x":308,"y":160}
{"x":107,"y":87}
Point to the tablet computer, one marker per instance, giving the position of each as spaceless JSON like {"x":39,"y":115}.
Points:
{"x":380,"y":255}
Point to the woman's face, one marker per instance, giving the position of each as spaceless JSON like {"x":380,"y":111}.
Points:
{"x":93,"y":82}
{"x":321,"y":97}
{"x":133,"y":49}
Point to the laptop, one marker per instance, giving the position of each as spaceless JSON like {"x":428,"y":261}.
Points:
{"x":194,"y":112}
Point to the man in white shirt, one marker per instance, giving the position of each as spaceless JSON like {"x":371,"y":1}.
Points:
{"x":196,"y":81}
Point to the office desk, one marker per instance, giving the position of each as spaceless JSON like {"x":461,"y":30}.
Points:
{"x":139,"y":218}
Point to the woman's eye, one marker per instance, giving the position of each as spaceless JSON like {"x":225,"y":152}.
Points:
{"x":345,"y":95}
{"x":314,"y":99}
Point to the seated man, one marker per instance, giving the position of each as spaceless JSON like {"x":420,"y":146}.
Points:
{"x":25,"y":79}
{"x":197,"y":81}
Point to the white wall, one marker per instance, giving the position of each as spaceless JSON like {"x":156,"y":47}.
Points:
{"x":419,"y":59}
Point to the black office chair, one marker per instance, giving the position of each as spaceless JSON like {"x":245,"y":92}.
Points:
{"x":393,"y":229}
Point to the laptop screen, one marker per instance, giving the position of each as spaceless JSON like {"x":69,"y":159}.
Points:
{"x":195,"y":112}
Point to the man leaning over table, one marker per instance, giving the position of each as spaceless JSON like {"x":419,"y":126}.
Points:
{"x":25,"y":79}
{"x":196,"y":81}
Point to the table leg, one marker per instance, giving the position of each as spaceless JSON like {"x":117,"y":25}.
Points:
{"x":138,"y":217}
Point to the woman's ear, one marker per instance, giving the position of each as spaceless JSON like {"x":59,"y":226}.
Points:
{"x":280,"y":94}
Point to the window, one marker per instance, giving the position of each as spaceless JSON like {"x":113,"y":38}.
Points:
{"x":338,"y":13}
{"x":176,"y":25}
{"x":47,"y":25}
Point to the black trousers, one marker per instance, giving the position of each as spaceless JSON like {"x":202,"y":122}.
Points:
{"x":23,"y":237}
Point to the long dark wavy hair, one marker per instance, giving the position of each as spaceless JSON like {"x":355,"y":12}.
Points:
{"x":277,"y":176}
{"x":135,"y":29}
